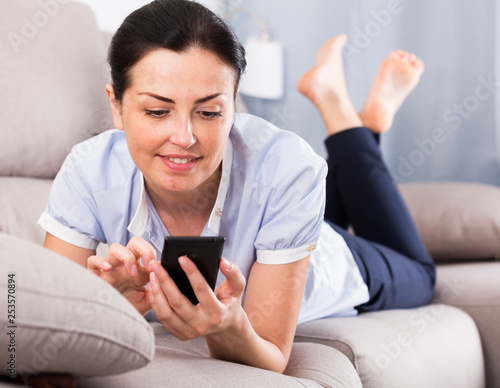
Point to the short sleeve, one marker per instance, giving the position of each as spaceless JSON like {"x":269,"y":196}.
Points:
{"x":294,"y":214}
{"x":70,"y":214}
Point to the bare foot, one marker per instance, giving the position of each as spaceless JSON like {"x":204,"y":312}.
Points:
{"x":397,"y":76}
{"x":325,"y":86}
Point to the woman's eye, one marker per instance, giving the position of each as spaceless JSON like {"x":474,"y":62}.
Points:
{"x":156,"y":113}
{"x":210,"y":115}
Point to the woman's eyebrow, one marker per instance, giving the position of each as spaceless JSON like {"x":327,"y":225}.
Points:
{"x":164,"y":99}
{"x":170,"y":101}
{"x":207,"y":98}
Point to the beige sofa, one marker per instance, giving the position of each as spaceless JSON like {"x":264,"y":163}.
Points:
{"x":67,"y":321}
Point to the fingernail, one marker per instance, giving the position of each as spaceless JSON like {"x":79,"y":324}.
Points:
{"x":227,"y":264}
{"x":182,"y":261}
{"x":153,"y":278}
{"x":106,"y":265}
{"x":133,"y":270}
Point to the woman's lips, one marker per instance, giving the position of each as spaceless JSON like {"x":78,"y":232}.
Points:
{"x":180,"y":162}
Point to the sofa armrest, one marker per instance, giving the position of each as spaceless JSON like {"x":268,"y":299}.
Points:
{"x":475,"y":289}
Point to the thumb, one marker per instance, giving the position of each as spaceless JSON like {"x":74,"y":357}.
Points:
{"x":234,"y":278}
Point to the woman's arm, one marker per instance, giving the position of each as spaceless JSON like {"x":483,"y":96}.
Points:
{"x":259,"y":334}
{"x":72,"y":252}
{"x":264,"y":335}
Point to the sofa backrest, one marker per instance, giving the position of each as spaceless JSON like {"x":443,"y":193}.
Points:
{"x":53,"y":73}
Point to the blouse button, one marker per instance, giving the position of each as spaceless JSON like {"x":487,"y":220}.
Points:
{"x":218,"y":212}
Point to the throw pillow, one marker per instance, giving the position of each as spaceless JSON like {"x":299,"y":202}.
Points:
{"x":58,"y":317}
{"x":456,"y":220}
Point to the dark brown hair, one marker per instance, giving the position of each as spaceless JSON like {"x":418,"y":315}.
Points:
{"x":176,"y":25}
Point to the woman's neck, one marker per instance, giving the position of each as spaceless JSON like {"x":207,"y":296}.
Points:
{"x":185,"y":213}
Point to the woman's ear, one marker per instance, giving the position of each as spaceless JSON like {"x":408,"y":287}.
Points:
{"x":115,"y":107}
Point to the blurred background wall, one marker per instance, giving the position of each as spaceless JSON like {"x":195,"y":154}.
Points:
{"x":448,"y":127}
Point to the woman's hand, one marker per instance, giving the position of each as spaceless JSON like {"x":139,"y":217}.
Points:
{"x":122,"y":269}
{"x":260,"y":334}
{"x":215,"y":312}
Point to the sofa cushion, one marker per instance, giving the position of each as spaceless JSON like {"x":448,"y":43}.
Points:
{"x":52,"y":77}
{"x":67,"y":320}
{"x":434,"y":346}
{"x":456,"y":220}
{"x":22,"y":201}
{"x":187,"y":364}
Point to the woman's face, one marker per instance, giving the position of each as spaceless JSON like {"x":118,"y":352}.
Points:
{"x":177,"y":114}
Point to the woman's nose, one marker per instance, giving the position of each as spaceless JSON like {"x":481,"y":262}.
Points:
{"x":183,"y":134}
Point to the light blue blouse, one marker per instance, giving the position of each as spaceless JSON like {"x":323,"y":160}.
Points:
{"x":269,"y":206}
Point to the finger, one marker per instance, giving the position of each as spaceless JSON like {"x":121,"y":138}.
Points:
{"x":97,"y":264}
{"x":234,"y":277}
{"x":175,"y":298}
{"x":157,"y":297}
{"x":141,"y":248}
{"x":201,"y":288}
{"x":118,"y":254}
{"x":164,"y":312}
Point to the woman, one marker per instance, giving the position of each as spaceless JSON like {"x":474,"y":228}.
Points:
{"x":181,"y":162}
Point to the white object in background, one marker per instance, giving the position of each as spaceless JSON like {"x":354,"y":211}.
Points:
{"x":216,"y":6}
{"x":264,"y":74}
{"x":109,"y":16}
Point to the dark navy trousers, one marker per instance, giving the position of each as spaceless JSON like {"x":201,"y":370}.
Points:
{"x":387,"y":248}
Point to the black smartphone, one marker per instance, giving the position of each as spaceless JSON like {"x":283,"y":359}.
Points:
{"x":205,"y":252}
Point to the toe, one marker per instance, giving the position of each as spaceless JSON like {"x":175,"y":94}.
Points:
{"x":400,"y":54}
{"x":331,"y":47}
{"x":406,"y":58}
{"x":420,"y":65}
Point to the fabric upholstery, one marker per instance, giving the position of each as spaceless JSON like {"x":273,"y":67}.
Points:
{"x":68,"y":320}
{"x":52,"y":77}
{"x":405,"y":348}
{"x":22,"y":201}
{"x":186,"y":364}
{"x":456,"y":220}
{"x":475,"y":289}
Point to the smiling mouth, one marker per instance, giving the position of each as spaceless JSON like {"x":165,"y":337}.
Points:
{"x":178,"y":163}
{"x":179,"y":160}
